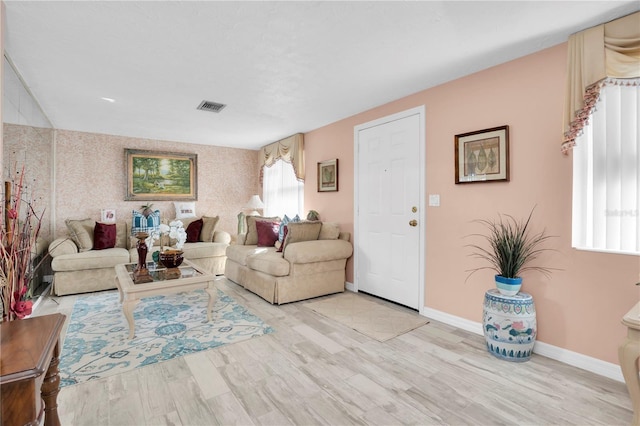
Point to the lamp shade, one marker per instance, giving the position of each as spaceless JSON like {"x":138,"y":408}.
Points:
{"x":254,"y":203}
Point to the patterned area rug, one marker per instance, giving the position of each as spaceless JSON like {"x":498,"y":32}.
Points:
{"x":97,"y":345}
{"x":368,"y":316}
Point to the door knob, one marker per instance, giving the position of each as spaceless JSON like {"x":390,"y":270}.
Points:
{"x":413,"y":222}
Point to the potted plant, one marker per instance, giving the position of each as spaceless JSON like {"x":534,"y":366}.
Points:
{"x":512,"y":246}
{"x":146,"y":210}
{"x":509,"y":317}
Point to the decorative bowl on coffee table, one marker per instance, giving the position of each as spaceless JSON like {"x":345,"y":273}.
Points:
{"x":171,"y":258}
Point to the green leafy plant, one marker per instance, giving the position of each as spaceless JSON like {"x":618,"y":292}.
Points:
{"x":512,"y":246}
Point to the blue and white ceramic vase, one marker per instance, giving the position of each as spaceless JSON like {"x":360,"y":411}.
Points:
{"x":509,"y":325}
{"x":508,"y":286}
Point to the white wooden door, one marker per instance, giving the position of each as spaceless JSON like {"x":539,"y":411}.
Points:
{"x":389,"y":209}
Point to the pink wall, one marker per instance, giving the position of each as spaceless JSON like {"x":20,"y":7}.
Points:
{"x":90,"y":176}
{"x":579,"y":307}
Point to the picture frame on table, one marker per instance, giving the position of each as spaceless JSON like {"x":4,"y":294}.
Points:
{"x":161,"y":176}
{"x":482,"y":156}
{"x":108,"y":215}
{"x":328,"y":175}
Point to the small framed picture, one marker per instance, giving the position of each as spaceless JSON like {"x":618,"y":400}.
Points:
{"x":482,"y":156}
{"x":328,"y":175}
{"x":108,"y":215}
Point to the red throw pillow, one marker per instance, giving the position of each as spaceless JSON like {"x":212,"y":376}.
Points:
{"x":104,"y":236}
{"x":284,"y":238}
{"x":267,"y":233}
{"x":193,"y":231}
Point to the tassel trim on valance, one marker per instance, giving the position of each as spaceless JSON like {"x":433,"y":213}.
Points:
{"x":591,"y":97}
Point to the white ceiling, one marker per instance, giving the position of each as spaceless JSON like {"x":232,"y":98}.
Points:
{"x":281,"y":67}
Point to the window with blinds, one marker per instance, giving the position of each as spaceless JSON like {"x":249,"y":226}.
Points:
{"x":282,"y":192}
{"x":606,"y":173}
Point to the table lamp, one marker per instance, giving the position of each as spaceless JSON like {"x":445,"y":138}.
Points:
{"x":254,"y":204}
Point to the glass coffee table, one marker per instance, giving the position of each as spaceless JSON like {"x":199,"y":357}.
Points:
{"x":163,"y":282}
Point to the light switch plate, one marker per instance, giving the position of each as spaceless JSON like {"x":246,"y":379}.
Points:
{"x":434,"y":200}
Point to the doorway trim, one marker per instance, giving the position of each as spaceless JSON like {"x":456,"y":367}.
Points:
{"x":420,"y":111}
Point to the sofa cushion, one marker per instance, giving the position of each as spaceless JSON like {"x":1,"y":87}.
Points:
{"x":81,"y":232}
{"x":302,"y":231}
{"x":239,"y":253}
{"x":329,"y":231}
{"x":283,"y":226}
{"x":193,"y":231}
{"x":142,"y":223}
{"x":94,"y":259}
{"x":104,"y":236}
{"x":199,"y":250}
{"x":267,"y":233}
{"x":208,"y":228}
{"x":270,"y":262}
{"x":252,"y":232}
{"x":185,"y":209}
{"x":122,"y":234}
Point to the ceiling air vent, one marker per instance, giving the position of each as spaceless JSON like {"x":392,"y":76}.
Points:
{"x":211,"y":106}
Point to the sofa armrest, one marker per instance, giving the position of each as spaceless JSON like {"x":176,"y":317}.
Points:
{"x":318,"y":251}
{"x":221,"y":237}
{"x":60,"y":246}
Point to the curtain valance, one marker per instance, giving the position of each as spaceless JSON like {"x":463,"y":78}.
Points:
{"x":608,"y":50}
{"x":290,"y":149}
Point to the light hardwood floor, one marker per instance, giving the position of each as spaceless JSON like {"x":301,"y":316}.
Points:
{"x":315,"y":371}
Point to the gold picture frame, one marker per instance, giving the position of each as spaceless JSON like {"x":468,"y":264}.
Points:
{"x":161,"y":176}
{"x":328,"y":175}
{"x":482,"y":156}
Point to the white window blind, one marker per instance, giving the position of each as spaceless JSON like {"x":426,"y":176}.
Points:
{"x":282,"y":192}
{"x":606,"y":174}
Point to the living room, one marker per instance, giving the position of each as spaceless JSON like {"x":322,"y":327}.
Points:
{"x":579,"y":308}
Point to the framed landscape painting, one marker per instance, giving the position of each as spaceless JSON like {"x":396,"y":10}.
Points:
{"x":158,"y":175}
{"x":482,"y":156}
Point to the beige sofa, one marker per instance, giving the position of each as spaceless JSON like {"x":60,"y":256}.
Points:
{"x":76,"y":271}
{"x":306,"y":269}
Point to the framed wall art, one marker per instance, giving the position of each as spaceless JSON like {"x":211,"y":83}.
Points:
{"x":328,"y":175}
{"x":482,"y":156}
{"x":159,"y":176}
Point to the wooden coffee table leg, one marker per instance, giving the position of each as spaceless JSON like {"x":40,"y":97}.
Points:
{"x":49,"y":390}
{"x":127,"y":308}
{"x":213,"y":296}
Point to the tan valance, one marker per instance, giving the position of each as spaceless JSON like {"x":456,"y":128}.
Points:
{"x":608,"y":50}
{"x":290,"y":149}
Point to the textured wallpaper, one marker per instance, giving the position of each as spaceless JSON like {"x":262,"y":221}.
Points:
{"x":31,"y":147}
{"x":90,"y":175}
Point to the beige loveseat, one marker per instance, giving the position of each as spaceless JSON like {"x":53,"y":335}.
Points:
{"x":76,"y":271}
{"x":304,"y":270}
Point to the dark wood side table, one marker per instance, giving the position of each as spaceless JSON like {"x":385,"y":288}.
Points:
{"x":29,"y":380}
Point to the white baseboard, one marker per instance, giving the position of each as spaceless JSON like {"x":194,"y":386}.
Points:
{"x":349,"y":286}
{"x":594,"y":365}
{"x":462,"y":323}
